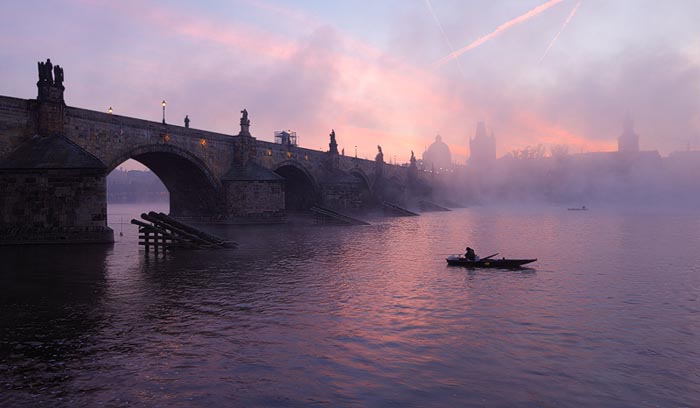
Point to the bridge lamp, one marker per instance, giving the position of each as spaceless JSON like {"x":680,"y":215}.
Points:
{"x":356,"y":151}
{"x":109,"y":110}
{"x":163,"y":103}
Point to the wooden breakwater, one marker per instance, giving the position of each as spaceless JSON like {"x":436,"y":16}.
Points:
{"x":162,"y":232}
{"x":327,"y":216}
{"x":427,"y":206}
{"x":393,"y":210}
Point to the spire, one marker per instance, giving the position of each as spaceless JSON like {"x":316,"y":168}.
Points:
{"x":628,"y":141}
{"x":480,"y":130}
{"x":628,"y":124}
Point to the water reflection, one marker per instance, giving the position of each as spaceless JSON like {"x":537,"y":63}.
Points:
{"x":367,"y":316}
{"x":52,"y":306}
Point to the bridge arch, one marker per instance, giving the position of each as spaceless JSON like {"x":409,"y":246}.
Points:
{"x":301,"y":190}
{"x":367,"y":193}
{"x":360,"y":174}
{"x":394,"y":189}
{"x":194,"y":190}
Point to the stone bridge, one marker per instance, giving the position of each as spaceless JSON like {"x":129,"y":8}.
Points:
{"x":54,"y":160}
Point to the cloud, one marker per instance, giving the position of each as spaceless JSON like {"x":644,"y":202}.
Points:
{"x":311,"y":77}
{"x":657,"y":85}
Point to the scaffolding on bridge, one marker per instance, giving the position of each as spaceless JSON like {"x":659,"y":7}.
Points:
{"x":286,"y":137}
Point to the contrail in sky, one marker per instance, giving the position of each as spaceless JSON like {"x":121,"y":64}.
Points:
{"x":444,"y":35}
{"x":503,"y":27}
{"x":566,"y":23}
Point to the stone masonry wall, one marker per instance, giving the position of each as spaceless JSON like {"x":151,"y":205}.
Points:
{"x":62,"y":205}
{"x":257,"y":201}
{"x":17,"y":122}
{"x":341,"y":196}
{"x":271,"y":155}
{"x":111,"y":137}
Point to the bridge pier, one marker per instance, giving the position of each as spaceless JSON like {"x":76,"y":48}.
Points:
{"x":253,"y":194}
{"x":53,"y":191}
{"x":44,"y":202}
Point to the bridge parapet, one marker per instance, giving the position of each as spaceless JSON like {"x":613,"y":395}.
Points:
{"x":114,"y":139}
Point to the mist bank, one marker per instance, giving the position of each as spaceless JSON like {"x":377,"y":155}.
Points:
{"x":135,"y":186}
{"x":601,"y":178}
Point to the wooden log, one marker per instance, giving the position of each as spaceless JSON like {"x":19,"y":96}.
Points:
{"x":393,"y":209}
{"x":177,"y":231}
{"x":150,"y":229}
{"x":188,"y":228}
{"x":325,"y":215}
{"x":181,"y":225}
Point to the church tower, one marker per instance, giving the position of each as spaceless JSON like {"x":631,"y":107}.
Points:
{"x":628,"y":140}
{"x":482,"y":148}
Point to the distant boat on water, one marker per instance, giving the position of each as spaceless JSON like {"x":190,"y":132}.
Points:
{"x":582,"y":208}
{"x":503,"y":263}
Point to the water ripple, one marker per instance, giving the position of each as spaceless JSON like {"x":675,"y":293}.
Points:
{"x":366,"y":316}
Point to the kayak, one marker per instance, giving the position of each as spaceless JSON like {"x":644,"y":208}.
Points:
{"x":503,"y":263}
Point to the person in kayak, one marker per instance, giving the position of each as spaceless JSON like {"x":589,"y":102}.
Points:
{"x":470,"y":255}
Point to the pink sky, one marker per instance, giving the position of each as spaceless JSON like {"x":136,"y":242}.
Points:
{"x":366,"y":69}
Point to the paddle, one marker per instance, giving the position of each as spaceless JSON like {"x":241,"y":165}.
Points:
{"x":488,"y":257}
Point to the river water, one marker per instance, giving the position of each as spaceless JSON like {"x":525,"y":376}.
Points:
{"x":303,"y":316}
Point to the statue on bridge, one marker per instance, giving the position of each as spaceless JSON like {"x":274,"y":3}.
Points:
{"x":45,"y":69}
{"x":50,"y":74}
{"x":50,"y":85}
{"x":380,"y":155}
{"x":58,"y":76}
{"x":187,"y":121}
{"x":333,"y":145}
{"x":245,"y":123}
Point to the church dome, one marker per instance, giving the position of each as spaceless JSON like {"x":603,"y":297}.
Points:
{"x":438,"y":155}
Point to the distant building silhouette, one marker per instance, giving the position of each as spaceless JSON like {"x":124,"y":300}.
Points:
{"x":628,"y":140}
{"x":482,"y":148}
{"x":438,"y":155}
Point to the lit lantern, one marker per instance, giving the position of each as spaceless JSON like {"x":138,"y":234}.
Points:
{"x":269,"y":152}
{"x":166,"y":137}
{"x":289,"y":155}
{"x":203,"y":142}
{"x":306,"y":157}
